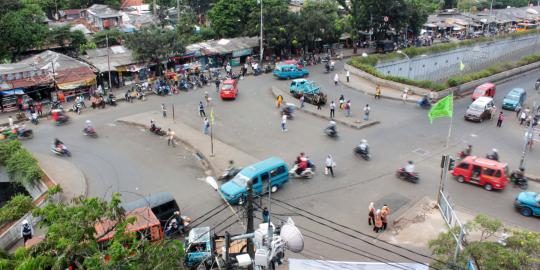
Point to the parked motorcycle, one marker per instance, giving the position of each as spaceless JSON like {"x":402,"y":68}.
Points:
{"x":411,"y":177}
{"x":362,"y":153}
{"x":518,"y":179}
{"x":61,"y":151}
{"x":111,"y":100}
{"x":158,"y":131}
{"x":77,"y":107}
{"x":177,"y":226}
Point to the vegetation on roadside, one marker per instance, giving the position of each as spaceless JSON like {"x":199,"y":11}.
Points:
{"x":71,"y":241}
{"x":20,"y":165}
{"x":15,"y":208}
{"x":367,"y":64}
{"x":481,"y":244}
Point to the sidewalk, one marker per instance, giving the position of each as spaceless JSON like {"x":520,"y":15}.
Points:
{"x":196,"y":140}
{"x":353,"y":122}
{"x":64,"y":173}
{"x":367,"y":87}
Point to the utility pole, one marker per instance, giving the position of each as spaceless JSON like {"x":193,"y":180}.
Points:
{"x":154,"y":7}
{"x":108,"y":62}
{"x":250,"y":225}
{"x":227,"y":245}
{"x":261,"y":48}
{"x":270,"y":232}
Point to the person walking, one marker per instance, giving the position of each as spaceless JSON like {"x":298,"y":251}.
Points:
{"x":341,"y":102}
{"x":371,"y":214}
{"x":201,"y":109}
{"x":279,"y":101}
{"x":378,"y":221}
{"x":332,"y":109}
{"x":329,"y":165}
{"x":39,"y":108}
{"x":207,"y":98}
{"x":283,"y":123}
{"x":500,"y":119}
{"x":405,"y":93}
{"x":378,"y":92}
{"x":206,"y":125}
{"x":518,"y":110}
{"x":522,"y":118}
{"x":26,"y":231}
{"x":336,"y":79}
{"x":348,"y":108}
{"x":367,"y":109}
{"x":302,"y":100}
{"x":385,"y":212}
{"x":348,"y":75}
{"x":164,"y":110}
{"x":10,"y":121}
{"x":265,"y":215}
{"x":170,"y":138}
{"x":217,"y":82}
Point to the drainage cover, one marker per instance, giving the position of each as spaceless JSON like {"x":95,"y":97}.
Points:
{"x":420,"y":151}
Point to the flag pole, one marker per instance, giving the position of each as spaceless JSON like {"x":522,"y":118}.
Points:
{"x":451,"y":122}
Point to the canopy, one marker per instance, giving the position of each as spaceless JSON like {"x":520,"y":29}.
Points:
{"x":16,"y":91}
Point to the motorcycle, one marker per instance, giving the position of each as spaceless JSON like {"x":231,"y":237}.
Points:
{"x":362,"y":153}
{"x":229,"y":173}
{"x":63,"y":151}
{"x":268,"y":68}
{"x":257,"y":72}
{"x":91,"y":132}
{"x":111,"y":100}
{"x":25,"y":134}
{"x":519,"y":180}
{"x":307,"y":173}
{"x":424,"y":104}
{"x":158,"y":131}
{"x":176,"y":226}
{"x":492,"y":157}
{"x":537,"y":84}
{"x":331,"y":132}
{"x":411,"y":177}
{"x":77,"y":107}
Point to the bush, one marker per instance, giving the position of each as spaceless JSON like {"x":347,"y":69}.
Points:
{"x":7,"y":149}
{"x":16,"y":208}
{"x":23,"y":168}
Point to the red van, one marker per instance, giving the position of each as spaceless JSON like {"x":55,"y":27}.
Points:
{"x":487,"y":173}
{"x":484,"y":90}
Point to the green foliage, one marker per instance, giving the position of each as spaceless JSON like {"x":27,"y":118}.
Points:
{"x":71,"y":240}
{"x":7,"y":149}
{"x":87,"y":46}
{"x":23,"y":168}
{"x":318,"y":21}
{"x":115,"y":37}
{"x":64,"y":37}
{"x":21,"y":30}
{"x":230,"y":17}
{"x":56,"y":189}
{"x":15,"y":208}
{"x":522,"y":248}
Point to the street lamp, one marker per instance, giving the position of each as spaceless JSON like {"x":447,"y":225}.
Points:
{"x":408,"y":61}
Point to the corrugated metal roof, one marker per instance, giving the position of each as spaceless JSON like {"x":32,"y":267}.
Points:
{"x":118,"y":56}
{"x":224,"y":46}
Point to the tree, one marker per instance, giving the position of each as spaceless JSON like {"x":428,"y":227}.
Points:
{"x":64,"y":37}
{"x":9,"y":5}
{"x":521,"y":251}
{"x":115,"y":36}
{"x":155,"y":45}
{"x":418,"y":12}
{"x":317,"y":22}
{"x":21,"y":30}
{"x":71,"y":241}
{"x":230,"y":18}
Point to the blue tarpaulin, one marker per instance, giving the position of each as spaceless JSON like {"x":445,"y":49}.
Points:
{"x":15,"y":91}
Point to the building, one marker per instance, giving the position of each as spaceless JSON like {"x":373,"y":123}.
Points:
{"x":102,"y":17}
{"x":45,"y":76}
{"x":217,"y":52}
{"x":70,"y":14}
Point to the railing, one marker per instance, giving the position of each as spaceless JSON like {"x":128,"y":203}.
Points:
{"x":452,"y":220}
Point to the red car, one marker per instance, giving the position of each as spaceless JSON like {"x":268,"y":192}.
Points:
{"x":229,"y":89}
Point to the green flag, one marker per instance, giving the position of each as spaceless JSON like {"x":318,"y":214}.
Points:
{"x":444,"y":107}
{"x":461,"y":65}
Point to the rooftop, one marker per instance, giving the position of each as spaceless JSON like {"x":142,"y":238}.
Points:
{"x":118,"y":56}
{"x":223,"y":46}
{"x":103,"y":11}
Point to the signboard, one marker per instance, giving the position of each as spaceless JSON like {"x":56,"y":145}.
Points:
{"x":241,"y":52}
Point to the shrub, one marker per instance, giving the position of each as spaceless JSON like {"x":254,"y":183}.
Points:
{"x":23,"y":168}
{"x":7,"y":149}
{"x":16,"y":208}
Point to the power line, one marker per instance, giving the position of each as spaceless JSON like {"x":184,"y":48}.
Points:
{"x":355,"y":237}
{"x":209,"y":217}
{"x":208,"y":212}
{"x":369,"y":256}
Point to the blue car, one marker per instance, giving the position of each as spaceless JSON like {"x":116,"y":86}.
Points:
{"x":270,"y":174}
{"x":514,"y":98}
{"x":289,"y":71}
{"x":528,"y":203}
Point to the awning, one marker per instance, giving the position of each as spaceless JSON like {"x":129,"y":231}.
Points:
{"x":457,"y":28}
{"x":131,"y":68}
{"x":430,"y":25}
{"x":76,"y":84}
{"x":16,"y":91}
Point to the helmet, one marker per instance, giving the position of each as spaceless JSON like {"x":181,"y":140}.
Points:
{"x":88,"y":121}
{"x":470,"y":146}
{"x":24,"y":222}
{"x":363,"y":141}
{"x":494,"y":150}
{"x":410,"y":162}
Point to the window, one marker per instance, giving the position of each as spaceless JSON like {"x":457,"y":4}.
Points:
{"x":255,"y":180}
{"x":498,"y":173}
{"x":279,"y":170}
{"x":488,"y":172}
{"x":464,"y":166}
{"x":264,"y":177}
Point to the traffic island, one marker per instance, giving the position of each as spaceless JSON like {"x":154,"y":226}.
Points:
{"x":352,"y":122}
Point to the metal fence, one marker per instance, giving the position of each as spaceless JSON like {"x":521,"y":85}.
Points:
{"x":440,"y":66}
{"x":451,"y":219}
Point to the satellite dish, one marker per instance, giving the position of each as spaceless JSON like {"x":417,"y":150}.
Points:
{"x":292,"y":236}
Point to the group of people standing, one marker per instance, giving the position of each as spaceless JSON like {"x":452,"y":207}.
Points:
{"x":378,"y":218}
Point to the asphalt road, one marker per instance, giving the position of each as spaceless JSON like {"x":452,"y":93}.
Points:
{"x":128,"y":160}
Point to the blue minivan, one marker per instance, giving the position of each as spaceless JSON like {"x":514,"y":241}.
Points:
{"x":289,"y":71}
{"x":269,"y":174}
{"x":514,"y":98}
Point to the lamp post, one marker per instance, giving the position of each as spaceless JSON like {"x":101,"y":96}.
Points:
{"x":408,"y":61}
{"x":261,"y":45}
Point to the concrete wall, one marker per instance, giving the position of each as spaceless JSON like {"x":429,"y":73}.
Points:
{"x":438,"y":67}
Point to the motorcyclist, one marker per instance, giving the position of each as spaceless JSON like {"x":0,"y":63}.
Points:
{"x":302,"y":165}
{"x":332,"y":64}
{"x":363,"y":146}
{"x":519,"y":175}
{"x":327,"y":67}
{"x":494,"y":155}
{"x":152,"y":125}
{"x":88,"y":126}
{"x":468,"y":151}
{"x":424,"y":101}
{"x":299,"y":158}
{"x":331,"y":126}
{"x":409,"y":168}
{"x":59,"y":145}
{"x":537,"y":84}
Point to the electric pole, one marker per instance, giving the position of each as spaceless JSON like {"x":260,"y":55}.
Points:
{"x":250,"y":225}
{"x":529,"y":136}
{"x":261,"y":48}
{"x":108,"y":62}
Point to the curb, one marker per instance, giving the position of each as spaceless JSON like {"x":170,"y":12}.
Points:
{"x":533,"y":178}
{"x":275,"y":93}
{"x":205,"y":161}
{"x":350,"y":86}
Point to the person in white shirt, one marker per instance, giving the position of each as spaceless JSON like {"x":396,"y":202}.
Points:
{"x":329,"y":165}
{"x":409,"y":168}
{"x":284,"y":123}
{"x":336,"y":79}
{"x":348,"y":75}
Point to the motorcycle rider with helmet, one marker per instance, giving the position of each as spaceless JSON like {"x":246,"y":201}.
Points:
{"x":409,"y":168}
